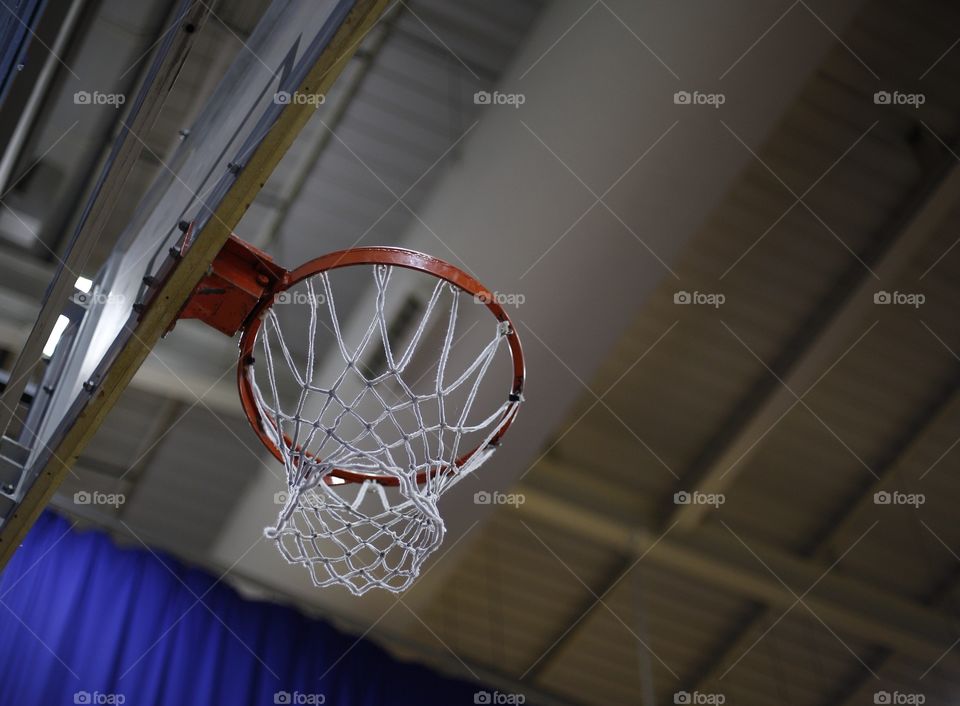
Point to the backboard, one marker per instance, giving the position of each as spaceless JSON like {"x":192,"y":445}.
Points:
{"x":263,"y":100}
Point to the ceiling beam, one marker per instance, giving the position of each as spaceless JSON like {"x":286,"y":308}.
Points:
{"x":49,"y":31}
{"x":832,"y":326}
{"x":558,"y":641}
{"x":942,"y":407}
{"x":862,"y":686}
{"x":748,"y":567}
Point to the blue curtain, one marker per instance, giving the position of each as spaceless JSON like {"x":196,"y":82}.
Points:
{"x":83,"y":621}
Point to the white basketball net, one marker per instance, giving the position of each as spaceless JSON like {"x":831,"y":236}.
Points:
{"x":364,"y":536}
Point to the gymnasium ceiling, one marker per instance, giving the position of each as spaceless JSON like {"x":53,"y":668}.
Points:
{"x":792,"y":402}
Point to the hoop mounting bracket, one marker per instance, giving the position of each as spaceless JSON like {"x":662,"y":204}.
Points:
{"x":238,"y":280}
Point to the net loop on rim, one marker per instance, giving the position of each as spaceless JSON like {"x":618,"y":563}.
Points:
{"x":407,"y":446}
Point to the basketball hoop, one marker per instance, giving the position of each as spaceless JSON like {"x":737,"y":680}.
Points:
{"x":367,"y":454}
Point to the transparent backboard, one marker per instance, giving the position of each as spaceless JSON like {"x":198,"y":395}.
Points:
{"x":285,"y":45}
